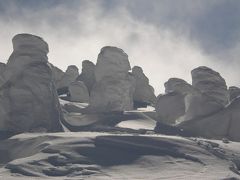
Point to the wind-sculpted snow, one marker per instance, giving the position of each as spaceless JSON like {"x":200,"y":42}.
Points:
{"x":106,"y":156}
{"x":76,"y":118}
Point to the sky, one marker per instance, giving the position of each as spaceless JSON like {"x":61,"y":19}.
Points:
{"x":167,"y":38}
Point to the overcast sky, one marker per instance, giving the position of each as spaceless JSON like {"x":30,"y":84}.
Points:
{"x":167,"y":38}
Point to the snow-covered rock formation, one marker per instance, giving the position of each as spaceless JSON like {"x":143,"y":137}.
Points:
{"x":2,"y":69}
{"x":69,"y":76}
{"x":57,"y":74}
{"x":222,"y":124}
{"x":178,"y":85}
{"x":171,"y":106}
{"x":114,"y":88}
{"x":210,"y":83}
{"x":201,"y":109}
{"x":212,"y":93}
{"x":111,"y":94}
{"x":78,"y":92}
{"x":144,"y":93}
{"x":112,"y":62}
{"x":233,"y":92}
{"x":88,"y":74}
{"x":28,"y":99}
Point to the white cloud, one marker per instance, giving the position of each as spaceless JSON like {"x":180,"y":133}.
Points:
{"x":75,"y":35}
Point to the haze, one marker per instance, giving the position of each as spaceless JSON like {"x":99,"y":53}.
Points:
{"x":166,"y":38}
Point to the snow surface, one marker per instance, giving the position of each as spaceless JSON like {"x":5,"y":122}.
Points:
{"x":91,"y":155}
{"x":116,"y":155}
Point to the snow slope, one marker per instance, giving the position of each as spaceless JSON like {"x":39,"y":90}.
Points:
{"x":115,"y":153}
{"x":89,"y":155}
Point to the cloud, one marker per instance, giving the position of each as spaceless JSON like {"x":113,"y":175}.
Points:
{"x":213,"y":24}
{"x":77,"y":30}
